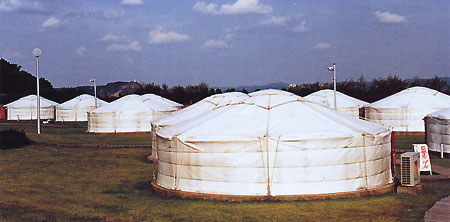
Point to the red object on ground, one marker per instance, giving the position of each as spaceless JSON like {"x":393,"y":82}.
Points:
{"x":2,"y":113}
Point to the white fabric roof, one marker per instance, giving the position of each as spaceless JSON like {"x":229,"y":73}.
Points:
{"x":161,"y":100}
{"x":326,"y":97}
{"x":441,"y":114}
{"x":201,"y":108}
{"x":31,"y":100}
{"x":129,"y":104}
{"x":84,"y":100}
{"x":414,"y":97}
{"x":267,"y":112}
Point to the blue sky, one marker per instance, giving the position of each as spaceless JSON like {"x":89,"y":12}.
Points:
{"x":225,"y":43}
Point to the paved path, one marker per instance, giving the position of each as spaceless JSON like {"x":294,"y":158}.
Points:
{"x":440,"y":210}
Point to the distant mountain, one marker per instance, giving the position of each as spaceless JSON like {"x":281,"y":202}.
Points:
{"x":278,"y":85}
{"x":112,"y":90}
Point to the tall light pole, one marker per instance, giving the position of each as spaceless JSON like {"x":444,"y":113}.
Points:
{"x":333,"y":68}
{"x":95,"y":90}
{"x":37,"y":52}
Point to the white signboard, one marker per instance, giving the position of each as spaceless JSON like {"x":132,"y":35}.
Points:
{"x":425,"y":164}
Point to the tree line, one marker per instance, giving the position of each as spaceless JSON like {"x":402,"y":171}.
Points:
{"x":16,"y":83}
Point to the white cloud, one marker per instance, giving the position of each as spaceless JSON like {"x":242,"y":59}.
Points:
{"x":386,"y":17}
{"x":274,"y":20}
{"x":131,"y":47}
{"x":159,"y":36}
{"x":322,"y":45}
{"x":213,"y":43}
{"x":132,"y":2}
{"x":22,"y":6}
{"x":81,"y":51}
{"x":301,"y":27}
{"x":51,"y":22}
{"x":239,"y":7}
{"x":114,"y":38}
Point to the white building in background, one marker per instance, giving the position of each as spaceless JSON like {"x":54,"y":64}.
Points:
{"x":132,"y":113}
{"x":437,"y":129}
{"x":405,"y":110}
{"x":345,"y":103}
{"x":77,"y":108}
{"x":25,"y":108}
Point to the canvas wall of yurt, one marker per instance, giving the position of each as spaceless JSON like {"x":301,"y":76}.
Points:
{"x":128,"y":114}
{"x":405,"y":110}
{"x":25,"y":108}
{"x":437,"y":131}
{"x":344,"y":103}
{"x":193,"y":111}
{"x":161,"y":106}
{"x":274,"y":145}
{"x":77,"y":108}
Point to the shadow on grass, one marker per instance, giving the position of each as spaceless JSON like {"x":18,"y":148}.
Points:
{"x":16,"y":212}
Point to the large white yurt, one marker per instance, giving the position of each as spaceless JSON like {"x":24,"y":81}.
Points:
{"x":405,"y":110}
{"x":25,"y":108}
{"x":274,"y":144}
{"x":194,"y":111}
{"x":437,"y":130}
{"x":77,"y":108}
{"x":125,"y":115}
{"x":344,"y":103}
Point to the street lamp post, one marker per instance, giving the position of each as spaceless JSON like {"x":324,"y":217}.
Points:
{"x":334,"y":81}
{"x":333,"y":68}
{"x":95,"y":91}
{"x":37,"y":52}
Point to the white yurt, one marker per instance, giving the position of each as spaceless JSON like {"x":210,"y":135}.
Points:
{"x":344,"y":103}
{"x":160,"y":100}
{"x":405,"y":110}
{"x":437,"y":130}
{"x":77,"y":108}
{"x":125,"y":115}
{"x":194,"y":111}
{"x":25,"y":108}
{"x":274,"y":144}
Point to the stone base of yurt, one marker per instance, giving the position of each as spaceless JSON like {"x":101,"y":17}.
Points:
{"x":389,"y":188}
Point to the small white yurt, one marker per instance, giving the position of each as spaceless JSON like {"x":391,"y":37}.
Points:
{"x":194,"y":111}
{"x":344,"y":103}
{"x":77,"y":108}
{"x":126,"y":115}
{"x":405,"y":110}
{"x":273,"y":144}
{"x":25,"y":108}
{"x":437,"y":130}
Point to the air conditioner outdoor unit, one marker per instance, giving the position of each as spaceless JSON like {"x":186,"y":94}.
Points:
{"x":410,"y":168}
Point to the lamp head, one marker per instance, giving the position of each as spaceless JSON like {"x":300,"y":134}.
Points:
{"x":37,"y":52}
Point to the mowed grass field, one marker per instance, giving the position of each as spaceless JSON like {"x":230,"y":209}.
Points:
{"x":49,"y":183}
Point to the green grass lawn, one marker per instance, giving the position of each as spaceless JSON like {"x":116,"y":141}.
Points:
{"x":49,"y":183}
{"x":406,"y":141}
{"x":75,"y":133}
